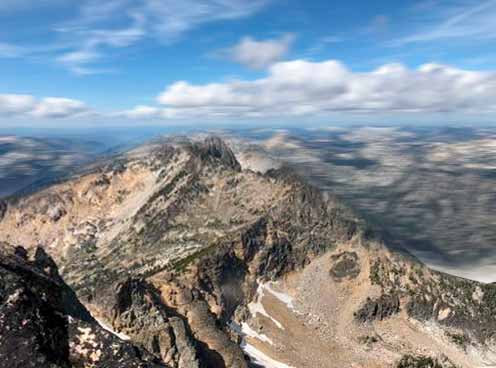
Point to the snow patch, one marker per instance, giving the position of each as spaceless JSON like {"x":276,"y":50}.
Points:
{"x":260,"y":358}
{"x":245,"y":330}
{"x":248,"y":331}
{"x":282,"y":297}
{"x":109,"y":329}
{"x":257,"y":306}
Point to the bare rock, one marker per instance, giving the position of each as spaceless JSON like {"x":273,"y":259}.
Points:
{"x":378,"y":309}
{"x":216,"y":149}
{"x":56,"y":213}
{"x":346,"y":266}
{"x":411,"y":361}
{"x":43,"y":324}
{"x":139,"y":313}
{"x":3,"y":209}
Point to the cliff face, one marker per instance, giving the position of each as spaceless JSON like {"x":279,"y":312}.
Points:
{"x":43,"y":324}
{"x":203,"y":264}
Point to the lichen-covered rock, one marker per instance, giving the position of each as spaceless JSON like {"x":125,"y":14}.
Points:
{"x":411,"y":361}
{"x":346,"y":266}
{"x":446,"y":300}
{"x":139,"y":313}
{"x":42,"y":323}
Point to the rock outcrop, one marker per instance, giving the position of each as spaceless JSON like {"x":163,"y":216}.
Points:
{"x":216,"y":149}
{"x":410,"y":361}
{"x":42,"y":323}
{"x":346,"y":266}
{"x":3,"y":209}
{"x":378,"y":309}
{"x":139,"y":313}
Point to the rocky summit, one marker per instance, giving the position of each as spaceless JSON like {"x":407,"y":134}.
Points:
{"x":174,"y":255}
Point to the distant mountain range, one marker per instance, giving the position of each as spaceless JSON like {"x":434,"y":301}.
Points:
{"x":26,"y":161}
{"x":430,"y":189}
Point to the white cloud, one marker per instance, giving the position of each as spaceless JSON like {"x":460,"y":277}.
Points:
{"x":123,"y":23}
{"x":50,"y":107}
{"x":259,"y":54}
{"x":297,"y":88}
{"x":57,"y":107}
{"x":78,"y":57}
{"x":463,"y":21}
{"x":311,"y":88}
{"x":16,"y":104}
{"x":100,"y":26}
{"x":81,"y":61}
{"x":171,"y":18}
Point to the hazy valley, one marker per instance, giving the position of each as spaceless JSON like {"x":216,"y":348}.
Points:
{"x":431,"y":189}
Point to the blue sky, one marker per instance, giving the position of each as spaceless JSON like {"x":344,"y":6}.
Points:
{"x":74,"y":62}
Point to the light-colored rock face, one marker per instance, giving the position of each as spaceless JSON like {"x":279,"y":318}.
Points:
{"x":74,"y":212}
{"x":87,"y":214}
{"x":178,"y":249}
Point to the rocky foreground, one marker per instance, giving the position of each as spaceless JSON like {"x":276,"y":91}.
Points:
{"x":43,"y":324}
{"x":189,"y":260}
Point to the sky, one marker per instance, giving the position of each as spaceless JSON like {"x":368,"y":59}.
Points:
{"x":72,"y":63}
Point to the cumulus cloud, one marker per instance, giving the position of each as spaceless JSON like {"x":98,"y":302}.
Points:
{"x":296,"y":88}
{"x":259,"y":54}
{"x":56,"y":107}
{"x":310,"y":88}
{"x":50,"y":107}
{"x":16,"y":104}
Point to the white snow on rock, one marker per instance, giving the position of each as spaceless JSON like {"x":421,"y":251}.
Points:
{"x":245,"y":330}
{"x":257,"y":307}
{"x":261,"y":358}
{"x":109,"y":329}
{"x":282,"y":297}
{"x":248,"y":331}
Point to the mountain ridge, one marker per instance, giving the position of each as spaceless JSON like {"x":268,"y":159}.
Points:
{"x":181,"y":230}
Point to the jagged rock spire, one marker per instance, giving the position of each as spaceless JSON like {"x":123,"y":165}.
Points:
{"x":215,"y":147}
